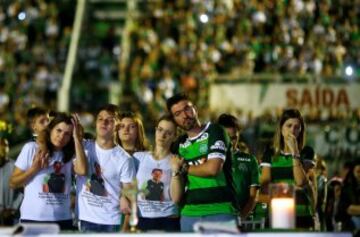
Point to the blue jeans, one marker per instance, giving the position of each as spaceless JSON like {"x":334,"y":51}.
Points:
{"x":86,"y":226}
{"x":187,"y":222}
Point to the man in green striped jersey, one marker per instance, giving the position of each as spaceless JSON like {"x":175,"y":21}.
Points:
{"x":205,"y":149}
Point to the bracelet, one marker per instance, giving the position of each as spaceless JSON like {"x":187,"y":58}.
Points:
{"x":184,"y":169}
{"x":175,"y":173}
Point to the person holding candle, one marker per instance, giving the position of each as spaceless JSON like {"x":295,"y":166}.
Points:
{"x":281,"y":163}
{"x":130,"y":135}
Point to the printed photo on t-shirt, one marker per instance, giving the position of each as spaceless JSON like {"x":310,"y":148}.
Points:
{"x":55,"y":182}
{"x":154,"y":186}
{"x":96,"y":183}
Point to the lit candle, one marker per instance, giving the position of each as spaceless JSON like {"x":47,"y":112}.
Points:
{"x":283,"y":213}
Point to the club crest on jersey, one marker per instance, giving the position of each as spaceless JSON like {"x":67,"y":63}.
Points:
{"x":203,"y":148}
{"x":203,"y":137}
{"x":185,"y":144}
{"x":219,"y":145}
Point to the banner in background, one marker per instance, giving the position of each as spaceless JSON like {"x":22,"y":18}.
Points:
{"x":257,"y":98}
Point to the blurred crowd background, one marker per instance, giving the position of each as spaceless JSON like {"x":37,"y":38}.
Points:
{"x":182,"y":45}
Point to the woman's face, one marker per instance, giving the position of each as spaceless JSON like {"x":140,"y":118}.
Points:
{"x":165,"y":133}
{"x":292,"y":126}
{"x":60,"y":135}
{"x":128,"y":130}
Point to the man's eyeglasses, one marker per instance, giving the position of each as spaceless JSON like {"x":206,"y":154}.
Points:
{"x":186,"y":109}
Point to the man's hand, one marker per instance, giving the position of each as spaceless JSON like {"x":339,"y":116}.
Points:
{"x":176,"y":163}
{"x":40,"y":161}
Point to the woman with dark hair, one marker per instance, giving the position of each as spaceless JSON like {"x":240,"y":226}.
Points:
{"x":282,"y":163}
{"x":44,"y":168}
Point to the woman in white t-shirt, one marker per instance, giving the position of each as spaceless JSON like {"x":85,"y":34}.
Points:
{"x":45,"y":167}
{"x":156,"y":210}
{"x":130,"y":135}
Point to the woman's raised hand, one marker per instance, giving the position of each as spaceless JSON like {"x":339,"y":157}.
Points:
{"x":78,"y":131}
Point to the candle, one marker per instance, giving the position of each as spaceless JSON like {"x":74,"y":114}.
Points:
{"x":283,"y":213}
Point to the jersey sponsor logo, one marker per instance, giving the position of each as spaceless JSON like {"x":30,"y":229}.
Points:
{"x":197,"y":162}
{"x":219,"y":145}
{"x":244,"y":159}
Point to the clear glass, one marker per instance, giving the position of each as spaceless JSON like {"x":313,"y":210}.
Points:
{"x":282,"y":206}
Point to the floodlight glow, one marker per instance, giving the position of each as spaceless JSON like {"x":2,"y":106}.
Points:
{"x":204,"y":18}
{"x":22,"y":16}
{"x":349,"y":71}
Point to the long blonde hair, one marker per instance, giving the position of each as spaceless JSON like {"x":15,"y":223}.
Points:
{"x":141,"y":143}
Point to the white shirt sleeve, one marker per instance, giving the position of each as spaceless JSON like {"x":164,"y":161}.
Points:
{"x":25,"y":158}
{"x":128,"y":172}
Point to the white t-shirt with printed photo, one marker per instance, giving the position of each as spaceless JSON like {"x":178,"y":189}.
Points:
{"x":47,"y":194}
{"x":98,"y":193}
{"x":153,"y":178}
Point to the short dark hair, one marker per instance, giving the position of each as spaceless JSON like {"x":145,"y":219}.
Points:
{"x":175,"y":99}
{"x":34,"y":113}
{"x":156,"y":169}
{"x":111,"y":108}
{"x":229,"y":121}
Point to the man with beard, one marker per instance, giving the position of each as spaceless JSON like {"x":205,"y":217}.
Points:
{"x":205,"y":162}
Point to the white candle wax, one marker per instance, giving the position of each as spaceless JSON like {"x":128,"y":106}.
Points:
{"x":283,"y":213}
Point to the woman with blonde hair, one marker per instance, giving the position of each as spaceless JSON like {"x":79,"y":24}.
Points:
{"x":130,"y":132}
{"x":130,"y":135}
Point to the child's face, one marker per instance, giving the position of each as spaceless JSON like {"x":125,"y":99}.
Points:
{"x":40,"y":123}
